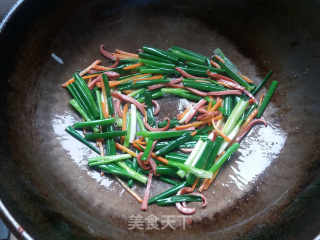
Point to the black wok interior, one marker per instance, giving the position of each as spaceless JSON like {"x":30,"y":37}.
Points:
{"x":53,"y":198}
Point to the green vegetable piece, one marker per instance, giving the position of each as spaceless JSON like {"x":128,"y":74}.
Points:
{"x":216,"y":166}
{"x":94,"y":123}
{"x":267,"y":98}
{"x":167,"y":193}
{"x":95,"y":136}
{"x":77,"y":136}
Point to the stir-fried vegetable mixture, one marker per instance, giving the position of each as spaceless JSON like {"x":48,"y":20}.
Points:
{"x":118,"y":107}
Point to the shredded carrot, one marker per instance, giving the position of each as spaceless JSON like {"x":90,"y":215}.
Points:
{"x":217,"y":105}
{"x":195,"y":184}
{"x":104,"y":93}
{"x":219,"y":58}
{"x":133,"y":66}
{"x":181,"y":115}
{"x":129,"y":190}
{"x":127,"y":91}
{"x":104,"y":110}
{"x":84,"y":71}
{"x":137,"y":146}
{"x":127,"y":53}
{"x":122,"y":56}
{"x":223,"y":84}
{"x":125,"y":149}
{"x":124,"y":119}
{"x":193,"y":133}
{"x":148,"y":78}
{"x":214,"y":64}
{"x":160,"y":159}
{"x":91,"y":76}
{"x":248,"y":80}
{"x":210,"y":181}
{"x":220,"y":132}
{"x":68,"y":82}
{"x":251,"y":101}
{"x":101,"y":68}
{"x":201,"y":188}
{"x":261,"y":99}
{"x":116,"y":83}
{"x":194,"y":124}
{"x":139,"y":141}
{"x":249,"y":119}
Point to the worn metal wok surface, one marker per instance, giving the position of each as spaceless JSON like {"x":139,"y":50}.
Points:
{"x":267,"y":191}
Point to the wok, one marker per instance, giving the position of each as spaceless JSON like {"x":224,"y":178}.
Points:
{"x":267,"y":192}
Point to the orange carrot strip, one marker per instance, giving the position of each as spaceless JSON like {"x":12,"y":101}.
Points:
{"x":129,"y":190}
{"x":153,"y":155}
{"x":248,"y":80}
{"x":133,"y":66}
{"x":101,"y":68}
{"x":104,"y":93}
{"x":194,"y":124}
{"x":160,"y":159}
{"x":105,"y":113}
{"x":116,"y":83}
{"x":249,"y":119}
{"x":127,"y":53}
{"x":195,"y":184}
{"x":83,"y":72}
{"x":214,"y":64}
{"x":124,"y":119}
{"x":148,"y":78}
{"x":127,"y":91}
{"x":193,"y":133}
{"x":261,"y":99}
{"x":217,"y":105}
{"x":91,"y":76}
{"x":210,"y":181}
{"x":219,"y":58}
{"x":220,"y":132}
{"x":181,"y":115}
{"x":68,"y":82}
{"x":122,"y":56}
{"x":125,"y":149}
{"x":198,"y":123}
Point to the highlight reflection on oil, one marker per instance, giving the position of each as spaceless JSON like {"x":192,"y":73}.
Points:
{"x":78,"y":152}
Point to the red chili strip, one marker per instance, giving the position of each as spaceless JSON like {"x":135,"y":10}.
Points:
{"x":143,"y":164}
{"x":204,"y":199}
{"x":227,"y":92}
{"x":182,"y":206}
{"x":197,"y":92}
{"x":156,"y":86}
{"x":129,"y":99}
{"x":117,"y":106}
{"x":106,"y":54}
{"x":185,"y":74}
{"x":186,"y":150}
{"x":144,"y":205}
{"x":208,"y":115}
{"x":248,"y":128}
{"x":195,"y":109}
{"x":219,"y":76}
{"x":156,"y":107}
{"x":93,"y":83}
{"x":146,"y":124}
